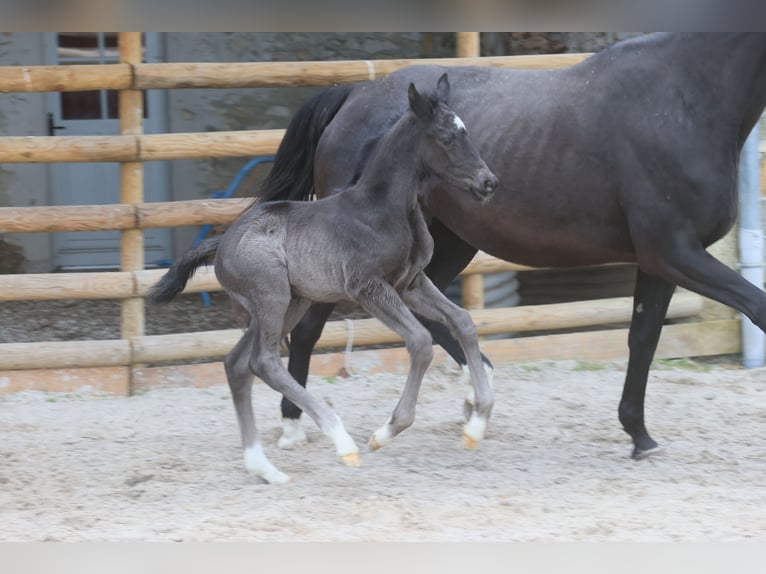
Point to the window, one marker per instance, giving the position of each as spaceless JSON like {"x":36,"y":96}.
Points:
{"x":85,"y":48}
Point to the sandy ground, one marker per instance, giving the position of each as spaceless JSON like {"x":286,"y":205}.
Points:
{"x":165,"y":465}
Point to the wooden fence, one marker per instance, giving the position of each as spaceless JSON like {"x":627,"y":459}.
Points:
{"x":116,"y":365}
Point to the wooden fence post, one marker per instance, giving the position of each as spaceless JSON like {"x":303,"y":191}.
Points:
{"x":131,"y":109}
{"x":468,"y":46}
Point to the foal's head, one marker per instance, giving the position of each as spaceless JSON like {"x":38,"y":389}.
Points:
{"x":447,"y":150}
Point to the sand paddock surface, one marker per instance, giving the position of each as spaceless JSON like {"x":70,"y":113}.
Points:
{"x":166,"y":464}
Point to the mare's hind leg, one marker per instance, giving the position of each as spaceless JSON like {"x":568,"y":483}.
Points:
{"x":650,"y":304}
{"x":302,"y":340}
{"x":240,"y":378}
{"x":424,"y":298}
{"x":383,"y":302}
{"x":683,"y":261}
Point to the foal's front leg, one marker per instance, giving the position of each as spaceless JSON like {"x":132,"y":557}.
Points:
{"x":383,"y":302}
{"x":425,"y":299}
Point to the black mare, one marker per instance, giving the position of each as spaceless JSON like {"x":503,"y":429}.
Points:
{"x":629,"y":156}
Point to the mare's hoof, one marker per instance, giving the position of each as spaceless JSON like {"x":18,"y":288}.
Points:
{"x":644,"y":446}
{"x":640,"y":453}
{"x":468,"y":442}
{"x":351,"y":459}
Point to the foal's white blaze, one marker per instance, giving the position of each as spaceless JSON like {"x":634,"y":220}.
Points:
{"x":458,"y":123}
{"x":257,"y":463}
{"x":292,"y":433}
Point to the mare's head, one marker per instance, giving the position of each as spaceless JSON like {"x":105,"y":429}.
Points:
{"x":447,"y":151}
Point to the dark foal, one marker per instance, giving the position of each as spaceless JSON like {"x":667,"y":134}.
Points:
{"x":368,"y":244}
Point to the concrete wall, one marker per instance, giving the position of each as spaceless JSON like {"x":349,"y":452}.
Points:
{"x":24,"y":115}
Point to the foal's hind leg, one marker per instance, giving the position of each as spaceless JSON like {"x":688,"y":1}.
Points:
{"x":240,"y":378}
{"x":650,"y":304}
{"x":424,"y":298}
{"x":266,"y":363}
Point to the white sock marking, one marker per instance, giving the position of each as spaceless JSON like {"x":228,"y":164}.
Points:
{"x":292,"y":433}
{"x":383,"y":435}
{"x":476,"y":427}
{"x":257,"y":463}
{"x":344,"y":444}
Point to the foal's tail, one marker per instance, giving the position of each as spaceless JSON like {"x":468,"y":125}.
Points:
{"x":174,"y":281}
{"x":292,"y":175}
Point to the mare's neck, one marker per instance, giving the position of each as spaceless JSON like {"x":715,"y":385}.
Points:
{"x":731,"y":69}
{"x":395,"y":171}
{"x":737,"y":62}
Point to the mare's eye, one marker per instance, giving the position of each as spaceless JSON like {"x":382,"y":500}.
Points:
{"x":447,"y":140}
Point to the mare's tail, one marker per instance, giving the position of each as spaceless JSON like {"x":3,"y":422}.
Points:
{"x":292,"y":175}
{"x":174,"y":281}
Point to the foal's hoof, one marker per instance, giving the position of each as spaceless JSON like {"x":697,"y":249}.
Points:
{"x":276,"y":477}
{"x":474,"y":431}
{"x":351,"y":459}
{"x":381,"y":437}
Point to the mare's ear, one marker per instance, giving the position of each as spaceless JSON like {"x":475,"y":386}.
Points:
{"x":442,"y":89}
{"x":420,"y":105}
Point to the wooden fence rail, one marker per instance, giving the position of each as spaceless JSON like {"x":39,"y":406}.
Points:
{"x":120,"y":216}
{"x":131,"y":147}
{"x":144,"y":147}
{"x":210,"y":344}
{"x":167,"y":76}
{"x":123,"y":284}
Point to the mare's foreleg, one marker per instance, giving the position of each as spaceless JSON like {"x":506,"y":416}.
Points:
{"x":423,"y":297}
{"x":650,"y":304}
{"x":302,"y":340}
